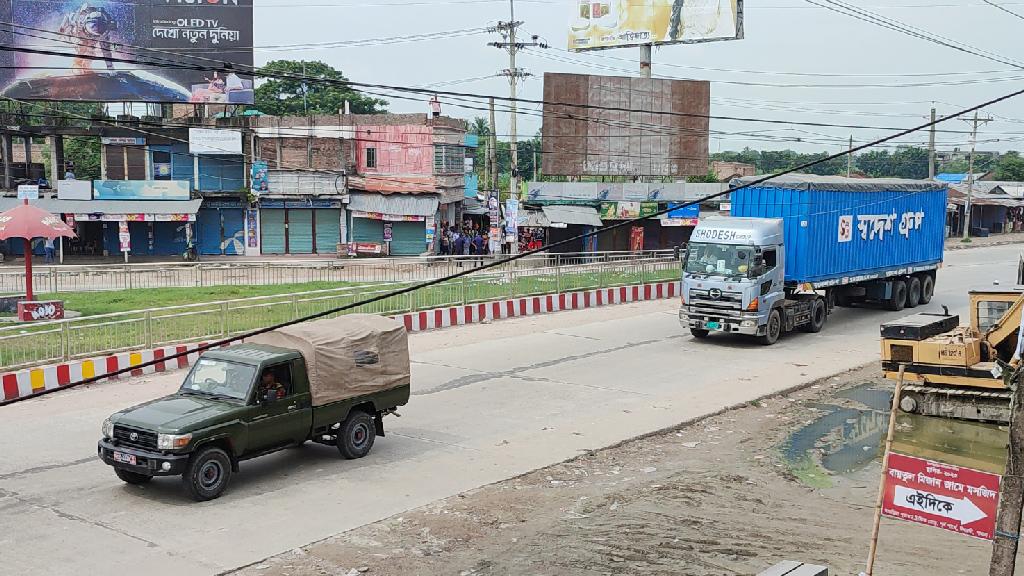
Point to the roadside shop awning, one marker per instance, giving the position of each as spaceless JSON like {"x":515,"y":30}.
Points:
{"x":137,"y":210}
{"x":578,"y":215}
{"x":394,"y":204}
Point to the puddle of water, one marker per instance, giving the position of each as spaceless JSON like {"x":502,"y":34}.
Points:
{"x":844,"y":440}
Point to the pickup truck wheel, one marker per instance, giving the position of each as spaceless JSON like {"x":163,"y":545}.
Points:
{"x":819,"y":314}
{"x":772,"y":330}
{"x":913,"y":292}
{"x":927,"y":288}
{"x":207,"y":474}
{"x":356,"y":436}
{"x":132,"y":477}
{"x":899,"y":296}
{"x":699,"y":334}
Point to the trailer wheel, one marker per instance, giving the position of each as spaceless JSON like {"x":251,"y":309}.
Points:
{"x":818,"y":315}
{"x":207,"y":475}
{"x":700,"y":334}
{"x":927,"y":288}
{"x":772,"y":330}
{"x":914,"y":292}
{"x":355,"y":438}
{"x":898,"y":301}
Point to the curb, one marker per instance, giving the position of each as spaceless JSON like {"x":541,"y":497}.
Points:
{"x":33,"y":381}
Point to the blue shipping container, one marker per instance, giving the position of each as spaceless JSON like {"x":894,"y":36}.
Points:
{"x":841,"y":229}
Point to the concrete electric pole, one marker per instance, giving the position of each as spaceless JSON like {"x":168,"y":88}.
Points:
{"x":931,"y":148}
{"x":510,"y":44}
{"x":849,"y":159}
{"x":970,"y":173}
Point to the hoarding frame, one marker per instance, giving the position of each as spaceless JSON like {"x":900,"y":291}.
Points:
{"x":739,"y":31}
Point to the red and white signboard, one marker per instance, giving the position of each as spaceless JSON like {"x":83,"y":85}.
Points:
{"x":37,"y":310}
{"x":942,"y":495}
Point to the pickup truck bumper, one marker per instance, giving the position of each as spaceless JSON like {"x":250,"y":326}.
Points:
{"x":148,"y":463}
{"x":727,"y":323}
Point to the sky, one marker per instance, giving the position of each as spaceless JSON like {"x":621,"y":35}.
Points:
{"x":797,"y":62}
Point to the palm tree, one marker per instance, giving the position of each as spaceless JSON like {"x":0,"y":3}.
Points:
{"x":480,"y":127}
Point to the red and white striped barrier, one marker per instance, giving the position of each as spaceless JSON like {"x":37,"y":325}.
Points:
{"x":531,"y":305}
{"x":31,"y":381}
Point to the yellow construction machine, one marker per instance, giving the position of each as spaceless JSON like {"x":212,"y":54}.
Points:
{"x":957,"y":371}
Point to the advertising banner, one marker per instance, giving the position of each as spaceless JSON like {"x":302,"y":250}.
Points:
{"x":511,"y":220}
{"x":124,"y":236}
{"x":112,"y":47}
{"x":691,"y":211}
{"x":122,"y":141}
{"x":627,"y":210}
{"x":252,"y":228}
{"x":28,"y":192}
{"x":260,"y":177}
{"x":141,"y":190}
{"x":618,"y":23}
{"x":211,"y":142}
{"x":636,"y":239}
{"x":940,"y":495}
{"x":74,"y":190}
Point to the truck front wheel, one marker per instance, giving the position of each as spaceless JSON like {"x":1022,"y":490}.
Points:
{"x":207,"y":474}
{"x":355,"y":438}
{"x":132,"y":477}
{"x":772,"y":330}
{"x":819,"y":313}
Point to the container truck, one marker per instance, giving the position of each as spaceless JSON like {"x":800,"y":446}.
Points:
{"x":799,"y":245}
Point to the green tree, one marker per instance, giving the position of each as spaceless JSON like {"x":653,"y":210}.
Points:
{"x":1010,"y":167}
{"x":709,"y":177}
{"x":284,"y":96}
{"x":906,"y":162}
{"x":480,"y":126}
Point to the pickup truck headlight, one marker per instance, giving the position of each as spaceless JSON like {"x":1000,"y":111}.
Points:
{"x":107,"y":428}
{"x":172,"y":441}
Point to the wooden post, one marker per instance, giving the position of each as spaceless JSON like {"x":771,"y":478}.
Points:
{"x":1011,"y":491}
{"x":885,"y":471}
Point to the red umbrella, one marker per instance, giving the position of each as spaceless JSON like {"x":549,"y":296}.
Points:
{"x":29,"y":222}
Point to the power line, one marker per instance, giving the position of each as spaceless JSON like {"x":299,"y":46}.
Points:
{"x":513,"y":258}
{"x":1004,"y":9}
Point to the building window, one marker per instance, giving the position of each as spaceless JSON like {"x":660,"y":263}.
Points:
{"x":449,"y":159}
{"x":371,"y":157}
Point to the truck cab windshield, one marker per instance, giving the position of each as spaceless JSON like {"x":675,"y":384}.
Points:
{"x":720,"y":260}
{"x":219,"y":378}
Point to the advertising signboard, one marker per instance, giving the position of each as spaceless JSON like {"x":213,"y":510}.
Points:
{"x":619,"y":23}
{"x":590,"y":128}
{"x":940,"y":495}
{"x":207,"y":141}
{"x":260,"y":177}
{"x":124,"y":236}
{"x":141,"y":190}
{"x":74,"y":190}
{"x":112,"y":44}
{"x":511,"y":220}
{"x":28,"y":192}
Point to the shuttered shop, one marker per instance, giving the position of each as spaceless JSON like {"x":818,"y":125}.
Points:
{"x":406,"y":214}
{"x":408,"y":238}
{"x":301,"y":229}
{"x":221,"y":228}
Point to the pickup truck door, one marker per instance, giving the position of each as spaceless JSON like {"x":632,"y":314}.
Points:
{"x":282,"y":422}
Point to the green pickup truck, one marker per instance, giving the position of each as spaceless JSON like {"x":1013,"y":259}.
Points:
{"x":330,"y":381}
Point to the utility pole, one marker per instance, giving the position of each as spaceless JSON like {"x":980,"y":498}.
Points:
{"x":535,"y":165}
{"x":645,"y":61}
{"x":849,"y":159}
{"x":508,"y":33}
{"x":931,"y":148}
{"x":492,"y":157}
{"x":1011,"y":489}
{"x":970,"y":173}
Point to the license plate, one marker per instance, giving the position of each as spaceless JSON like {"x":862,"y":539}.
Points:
{"x":713,"y":326}
{"x":124,"y":458}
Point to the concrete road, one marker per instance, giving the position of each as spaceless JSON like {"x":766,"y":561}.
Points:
{"x":490,"y":402}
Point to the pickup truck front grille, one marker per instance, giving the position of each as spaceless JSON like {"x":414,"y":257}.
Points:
{"x":135,"y":438}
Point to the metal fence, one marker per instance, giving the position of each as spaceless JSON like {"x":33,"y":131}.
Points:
{"x":70,"y":278}
{"x":27,"y":345}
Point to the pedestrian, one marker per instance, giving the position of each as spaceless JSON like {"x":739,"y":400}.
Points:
{"x":478,"y":243}
{"x":49,"y":250}
{"x":445,"y":241}
{"x":459,"y":245}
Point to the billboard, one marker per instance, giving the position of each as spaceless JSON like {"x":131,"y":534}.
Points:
{"x":142,"y":190}
{"x":618,"y":23}
{"x":618,"y":126}
{"x":96,"y":33}
{"x":207,"y":141}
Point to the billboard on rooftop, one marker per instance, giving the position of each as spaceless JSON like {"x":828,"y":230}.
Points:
{"x":88,"y":41}
{"x":620,"y":23}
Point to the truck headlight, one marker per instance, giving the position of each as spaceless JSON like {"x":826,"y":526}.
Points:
{"x":172,"y":441}
{"x":107,"y":428}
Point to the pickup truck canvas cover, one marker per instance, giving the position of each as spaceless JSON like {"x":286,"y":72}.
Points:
{"x":347,"y":356}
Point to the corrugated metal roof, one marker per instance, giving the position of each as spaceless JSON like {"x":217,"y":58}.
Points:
{"x":533,"y":219}
{"x":108,"y":206}
{"x":395,"y":204}
{"x":581,"y":215}
{"x":843,"y":184}
{"x":396,"y":185}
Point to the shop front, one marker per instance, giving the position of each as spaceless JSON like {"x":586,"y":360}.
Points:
{"x":571,"y":221}
{"x":394,"y":225}
{"x":220,"y":227}
{"x":301,"y":227}
{"x":113,"y":227}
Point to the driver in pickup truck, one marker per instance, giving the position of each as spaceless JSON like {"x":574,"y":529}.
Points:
{"x":269,"y":383}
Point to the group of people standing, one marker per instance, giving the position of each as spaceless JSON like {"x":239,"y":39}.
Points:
{"x":465,"y":241}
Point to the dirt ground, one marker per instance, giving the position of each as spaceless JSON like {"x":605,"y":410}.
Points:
{"x":720,"y":496}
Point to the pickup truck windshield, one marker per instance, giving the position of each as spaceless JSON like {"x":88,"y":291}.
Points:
{"x":219,"y":378}
{"x":719,"y":260}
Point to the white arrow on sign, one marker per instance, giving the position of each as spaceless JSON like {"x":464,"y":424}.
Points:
{"x":963,"y":511}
